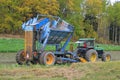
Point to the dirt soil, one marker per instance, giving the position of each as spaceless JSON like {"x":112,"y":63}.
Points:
{"x":11,"y":36}
{"x":9,"y":58}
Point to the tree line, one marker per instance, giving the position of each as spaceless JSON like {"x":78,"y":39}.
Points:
{"x":91,"y":18}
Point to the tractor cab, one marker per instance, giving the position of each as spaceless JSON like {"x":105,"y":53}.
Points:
{"x":86,"y":43}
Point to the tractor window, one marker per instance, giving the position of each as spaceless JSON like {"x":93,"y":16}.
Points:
{"x":81,"y":44}
{"x":90,"y":43}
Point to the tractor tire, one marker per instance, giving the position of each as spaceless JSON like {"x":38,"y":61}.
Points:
{"x":91,"y":55}
{"x":106,"y":57}
{"x":47,"y":58}
{"x":20,"y":57}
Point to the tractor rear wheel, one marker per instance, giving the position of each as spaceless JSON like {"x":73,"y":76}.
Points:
{"x":91,"y":55}
{"x":47,"y":58}
{"x":106,"y":57}
{"x":20,"y":57}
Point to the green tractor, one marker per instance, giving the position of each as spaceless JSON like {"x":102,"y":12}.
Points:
{"x":87,"y":51}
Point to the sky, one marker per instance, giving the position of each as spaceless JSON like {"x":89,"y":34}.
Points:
{"x":113,"y":1}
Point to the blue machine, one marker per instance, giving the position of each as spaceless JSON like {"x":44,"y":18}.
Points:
{"x":50,"y":31}
{"x":50,"y":34}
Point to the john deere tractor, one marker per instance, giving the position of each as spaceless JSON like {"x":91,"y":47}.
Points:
{"x":86,"y":50}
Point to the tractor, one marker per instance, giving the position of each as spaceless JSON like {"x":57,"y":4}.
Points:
{"x":44,"y":30}
{"x":87,"y":50}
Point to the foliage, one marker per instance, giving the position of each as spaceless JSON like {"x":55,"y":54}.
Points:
{"x":94,"y":7}
{"x":70,"y":10}
{"x":114,"y":14}
{"x":91,"y":18}
{"x":94,"y":11}
{"x":114,"y":20}
{"x":14,"y":12}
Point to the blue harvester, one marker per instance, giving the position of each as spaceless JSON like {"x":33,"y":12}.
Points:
{"x":41,"y":31}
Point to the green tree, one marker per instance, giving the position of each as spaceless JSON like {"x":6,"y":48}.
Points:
{"x":114,"y":19}
{"x":95,"y":15}
{"x":14,"y":12}
{"x":70,"y":10}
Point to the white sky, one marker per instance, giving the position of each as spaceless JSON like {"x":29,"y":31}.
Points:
{"x":112,"y":1}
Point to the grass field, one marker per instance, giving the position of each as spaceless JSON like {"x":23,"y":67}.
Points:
{"x":14,"y":45}
{"x":76,"y":71}
{"x":9,"y":70}
{"x":11,"y":45}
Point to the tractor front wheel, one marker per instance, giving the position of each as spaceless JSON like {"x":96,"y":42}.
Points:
{"x":91,"y":55}
{"x":20,"y":57}
{"x":47,"y":58}
{"x":106,"y":57}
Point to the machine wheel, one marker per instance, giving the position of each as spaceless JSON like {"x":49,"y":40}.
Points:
{"x":106,"y":57}
{"x":91,"y":55}
{"x":47,"y":58}
{"x":20,"y":57}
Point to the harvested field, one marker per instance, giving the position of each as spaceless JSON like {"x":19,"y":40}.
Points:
{"x":9,"y":70}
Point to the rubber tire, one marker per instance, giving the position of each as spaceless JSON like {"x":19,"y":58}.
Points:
{"x":18,"y":56}
{"x":43,"y":59}
{"x":104,"y":55}
{"x":89,"y":53}
{"x":40,"y":60}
